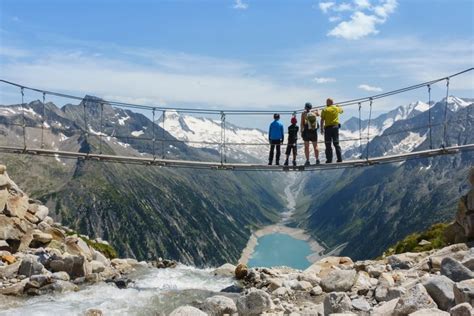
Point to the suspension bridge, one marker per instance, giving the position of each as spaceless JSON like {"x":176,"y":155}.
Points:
{"x":153,"y":159}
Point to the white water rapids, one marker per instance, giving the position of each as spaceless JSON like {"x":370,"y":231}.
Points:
{"x":153,"y":292}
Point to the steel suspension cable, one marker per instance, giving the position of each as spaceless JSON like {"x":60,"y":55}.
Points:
{"x":360,"y":129}
{"x":163,"y":135}
{"x":368,"y":129}
{"x":429,"y":115}
{"x":23,"y":116}
{"x":101,"y":126}
{"x":153,"y":131}
{"x":43,"y":120}
{"x":445,"y":125}
{"x":86,"y":128}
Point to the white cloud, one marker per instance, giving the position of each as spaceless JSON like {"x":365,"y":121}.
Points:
{"x":136,"y":82}
{"x":366,"y":87}
{"x":360,"y":25}
{"x":362,"y":3}
{"x":324,"y":80}
{"x":325,"y":6}
{"x":239,"y":5}
{"x":359,"y":18}
{"x":13,"y":52}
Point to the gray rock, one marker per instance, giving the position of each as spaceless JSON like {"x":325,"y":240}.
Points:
{"x":338,"y":281}
{"x":187,"y":311}
{"x":3,"y":198}
{"x":384,"y":293}
{"x":30,"y":266}
{"x":361,"y":304}
{"x":429,"y":312}
{"x":455,"y":270}
{"x":61,"y":276}
{"x":97,"y":266}
{"x":414,"y":299}
{"x":15,"y":289}
{"x":337,"y":302}
{"x":385,"y":309}
{"x":440,"y":288}
{"x":283,"y":291}
{"x":9,"y":228}
{"x":41,"y":212}
{"x":254,"y":302}
{"x":303,"y":286}
{"x":219,"y":305}
{"x":463,"y":309}
{"x":73,"y":265}
{"x":17,"y":206}
{"x":464,"y":292}
{"x":64,"y":286}
{"x":42,"y":238}
{"x":400,"y":261}
{"x":226,"y":269}
{"x":41,"y":279}
{"x":8,"y":271}
{"x":469,"y":263}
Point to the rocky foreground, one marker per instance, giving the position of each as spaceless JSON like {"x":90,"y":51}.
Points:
{"x":39,"y":256}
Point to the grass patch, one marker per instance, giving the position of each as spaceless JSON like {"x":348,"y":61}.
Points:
{"x":434,"y":234}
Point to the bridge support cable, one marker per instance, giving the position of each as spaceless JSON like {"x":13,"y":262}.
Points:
{"x":23,"y":124}
{"x":429,"y":115}
{"x":43,"y":120}
{"x":360,"y":130}
{"x":86,"y":128}
{"x":163,"y":135}
{"x":153,"y":139}
{"x":222,"y":144}
{"x":445,"y":121}
{"x":101,"y":132}
{"x":368,"y":129}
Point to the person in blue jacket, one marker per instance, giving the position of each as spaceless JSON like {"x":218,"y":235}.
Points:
{"x":276,"y":137}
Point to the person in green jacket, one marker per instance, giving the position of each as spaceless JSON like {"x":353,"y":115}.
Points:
{"x":330,"y":129}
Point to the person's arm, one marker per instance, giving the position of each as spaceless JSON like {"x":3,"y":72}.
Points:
{"x":341,"y":110}
{"x":322,"y":123}
{"x":282,"y":133}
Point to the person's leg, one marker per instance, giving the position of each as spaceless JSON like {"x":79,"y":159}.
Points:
{"x":270,"y":157}
{"x":335,"y":141}
{"x":306,"y":150}
{"x":287,"y":153}
{"x":294,"y":153}
{"x":327,"y":143}
{"x":278,"y":154}
{"x":316,"y":150}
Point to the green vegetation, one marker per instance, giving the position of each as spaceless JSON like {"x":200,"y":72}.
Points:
{"x":106,"y":250}
{"x":434,"y":234}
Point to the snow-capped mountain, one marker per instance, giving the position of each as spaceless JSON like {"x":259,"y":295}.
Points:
{"x":242,"y":144}
{"x":382,"y":123}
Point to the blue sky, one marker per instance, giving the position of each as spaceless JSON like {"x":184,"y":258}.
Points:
{"x":236,"y":54}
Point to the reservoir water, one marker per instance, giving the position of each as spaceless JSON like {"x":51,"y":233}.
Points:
{"x":280,"y":250}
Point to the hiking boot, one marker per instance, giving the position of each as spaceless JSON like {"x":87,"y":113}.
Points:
{"x":307,"y":163}
{"x":277,"y":163}
{"x":339,"y":160}
{"x":269,"y":163}
{"x":294,"y":163}
{"x":286,"y":163}
{"x":328,"y":161}
{"x":318,"y":162}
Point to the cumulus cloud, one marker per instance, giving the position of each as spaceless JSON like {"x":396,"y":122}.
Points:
{"x":239,"y":5}
{"x":360,"y":25}
{"x":362,"y":20}
{"x":324,"y":80}
{"x":369,"y":88}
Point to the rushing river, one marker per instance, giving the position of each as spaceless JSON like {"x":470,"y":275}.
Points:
{"x":154,"y":292}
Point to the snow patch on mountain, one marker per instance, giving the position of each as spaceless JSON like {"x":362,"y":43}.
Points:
{"x":408,"y":144}
{"x":137,"y":133}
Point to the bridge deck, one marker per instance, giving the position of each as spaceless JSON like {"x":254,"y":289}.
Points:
{"x":235,"y":166}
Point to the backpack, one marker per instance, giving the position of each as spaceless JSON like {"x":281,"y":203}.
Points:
{"x":312,"y":121}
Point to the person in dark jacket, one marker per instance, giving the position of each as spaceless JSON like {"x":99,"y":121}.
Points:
{"x":292,"y":138}
{"x":275,"y":137}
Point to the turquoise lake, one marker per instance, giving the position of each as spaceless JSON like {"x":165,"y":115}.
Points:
{"x":280,"y":250}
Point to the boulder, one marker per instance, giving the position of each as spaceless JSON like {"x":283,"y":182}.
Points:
{"x":8,"y":271}
{"x":401,"y":261}
{"x":414,"y":299}
{"x":57,"y":234}
{"x":303,"y":286}
{"x":187,"y":311}
{"x":361,"y":304}
{"x":322,"y":267}
{"x":317,"y":290}
{"x":455,"y":270}
{"x":4,"y":246}
{"x":61,"y":275}
{"x":77,"y":246}
{"x":72,"y":265}
{"x":338,"y":280}
{"x":31,"y":218}
{"x":283,"y":291}
{"x":463,"y":309}
{"x":385,"y":309}
{"x":309,"y":277}
{"x":30,"y":266}
{"x":226,"y":269}
{"x":429,"y":312}
{"x":362,"y":283}
{"x":440,"y":288}
{"x":93,"y":312}
{"x":64,"y":286}
{"x":98,"y":256}
{"x":97,"y":266}
{"x":384,"y":293}
{"x":9,"y":259}
{"x":15,"y":289}
{"x":16,"y":206}
{"x":3,"y":198}
{"x":41,"y":238}
{"x":464,"y":292}
{"x":254,"y":302}
{"x":219,"y":305}
{"x":41,"y":279}
{"x":337,"y":302}
{"x":41,"y":211}
{"x":10,"y":228}
{"x":241,"y":271}
{"x":273,"y":283}
{"x":376,"y":270}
